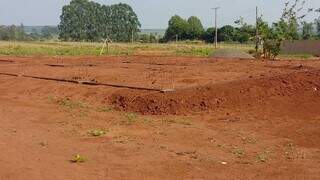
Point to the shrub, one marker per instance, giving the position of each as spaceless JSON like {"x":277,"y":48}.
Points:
{"x":271,"y":49}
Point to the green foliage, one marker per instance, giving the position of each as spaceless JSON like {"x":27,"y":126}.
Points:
{"x":307,"y":30}
{"x":227,"y":33}
{"x":271,"y":48}
{"x":148,"y":38}
{"x":48,"y":32}
{"x":190,"y":29}
{"x":245,"y":32}
{"x":123,"y":22}
{"x":317,"y":23}
{"x":208,"y":35}
{"x":79,"y":21}
{"x":178,"y":28}
{"x":18,"y":33}
{"x":84,"y":20}
{"x":186,"y":48}
{"x":286,"y":30}
{"x":13,"y":33}
{"x":287,"y":27}
{"x":195,"y":28}
{"x":243,"y":37}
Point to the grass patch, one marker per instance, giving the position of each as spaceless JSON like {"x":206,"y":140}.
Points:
{"x":238,"y":152}
{"x":289,"y":151}
{"x":117,"y":49}
{"x":69,"y":104}
{"x":263,"y":157}
{"x":74,"y":108}
{"x":105,"y":109}
{"x":130,"y":118}
{"x":97,"y":132}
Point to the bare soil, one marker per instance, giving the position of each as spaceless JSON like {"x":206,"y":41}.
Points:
{"x":225,"y":119}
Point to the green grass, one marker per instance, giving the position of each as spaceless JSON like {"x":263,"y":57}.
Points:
{"x":122,"y":49}
{"x":56,"y":49}
{"x":130,"y":118}
{"x":69,"y":104}
{"x":117,"y":49}
{"x":75,"y":108}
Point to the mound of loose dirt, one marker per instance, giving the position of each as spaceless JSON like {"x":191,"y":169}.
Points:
{"x":294,"y":89}
{"x":231,"y":54}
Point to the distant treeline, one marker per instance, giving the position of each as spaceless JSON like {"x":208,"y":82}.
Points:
{"x":84,"y":20}
{"x":42,"y":33}
{"x":18,"y":33}
{"x":192,"y":29}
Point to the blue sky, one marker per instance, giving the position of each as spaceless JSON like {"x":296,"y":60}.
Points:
{"x":152,"y":13}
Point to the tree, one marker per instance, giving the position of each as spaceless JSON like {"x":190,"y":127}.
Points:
{"x":4,"y":33}
{"x":208,"y":35}
{"x":13,"y":33}
{"x":84,"y":20}
{"x":292,"y":15}
{"x":20,"y":33}
{"x":285,"y":29}
{"x":226,"y":33}
{"x":48,"y":32}
{"x":178,"y":27}
{"x":195,"y":28}
{"x":34,"y":35}
{"x":317,"y":22}
{"x":124,"y":23}
{"x":307,"y":30}
{"x":244,"y":32}
{"x":148,"y":38}
{"x":72,"y":25}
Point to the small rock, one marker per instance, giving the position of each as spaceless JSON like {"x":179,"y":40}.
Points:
{"x":224,"y":163}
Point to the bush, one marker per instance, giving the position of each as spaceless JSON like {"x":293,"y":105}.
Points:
{"x":271,"y":49}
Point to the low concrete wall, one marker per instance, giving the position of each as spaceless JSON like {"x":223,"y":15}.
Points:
{"x":301,"y":47}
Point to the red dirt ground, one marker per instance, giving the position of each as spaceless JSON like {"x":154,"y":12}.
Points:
{"x":226,"y":119}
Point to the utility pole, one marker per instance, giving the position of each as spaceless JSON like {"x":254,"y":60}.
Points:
{"x":257,"y":30}
{"x":216,"y":28}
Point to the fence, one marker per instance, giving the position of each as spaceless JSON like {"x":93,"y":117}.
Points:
{"x":301,"y":47}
